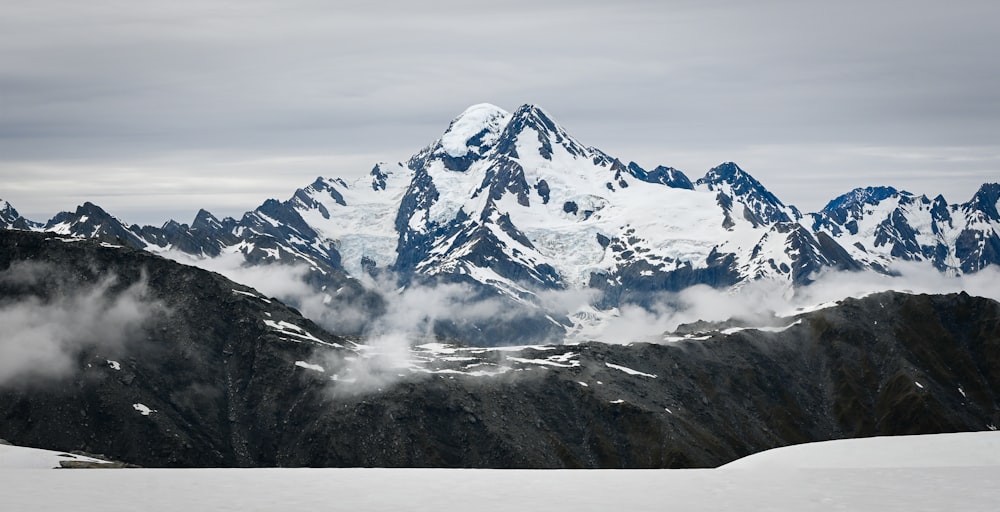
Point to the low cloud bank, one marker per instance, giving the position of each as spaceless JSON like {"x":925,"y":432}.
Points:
{"x":411,"y":312}
{"x":761,"y":301}
{"x":49,"y":320}
{"x":410,"y":315}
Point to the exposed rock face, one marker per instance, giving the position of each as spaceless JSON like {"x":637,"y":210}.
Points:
{"x":193,"y":388}
{"x":221,"y":376}
{"x":11,"y":219}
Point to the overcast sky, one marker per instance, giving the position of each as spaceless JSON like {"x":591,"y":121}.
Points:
{"x":155,"y":109}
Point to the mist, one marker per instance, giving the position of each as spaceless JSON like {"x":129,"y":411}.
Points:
{"x":50,"y":319}
{"x":412,"y":312}
{"x":758,"y":303}
{"x":410,"y":316}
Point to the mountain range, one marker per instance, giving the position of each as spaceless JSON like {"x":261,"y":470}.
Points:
{"x":511,"y":206}
{"x":116,"y":351}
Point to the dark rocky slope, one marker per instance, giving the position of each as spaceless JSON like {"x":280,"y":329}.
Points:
{"x":216,"y":374}
{"x":226,"y":390}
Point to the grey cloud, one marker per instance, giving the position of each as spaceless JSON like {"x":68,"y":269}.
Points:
{"x":52,"y":321}
{"x":410,"y":312}
{"x":92,"y":87}
{"x":757,"y":303}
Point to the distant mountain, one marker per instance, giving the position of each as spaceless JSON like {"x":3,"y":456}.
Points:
{"x":880,"y":225}
{"x":10,"y":219}
{"x":513,"y":206}
{"x":220,"y":375}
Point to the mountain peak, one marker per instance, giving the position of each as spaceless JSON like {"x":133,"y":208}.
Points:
{"x":763,"y":206}
{"x":205,"y":220}
{"x":529,"y":115}
{"x":987,"y":199}
{"x":474,"y":129}
{"x":7,"y":210}
{"x":549,"y":133}
{"x":10,"y":218}
{"x":92,"y":221}
{"x":726,"y":172}
{"x":865,"y":195}
{"x":468,"y":138}
{"x":89,"y":206}
{"x":728,"y":167}
{"x":530,"y":110}
{"x":664,"y":175}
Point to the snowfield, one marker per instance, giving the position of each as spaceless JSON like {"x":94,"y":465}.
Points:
{"x":940,"y":472}
{"x":19,"y":457}
{"x":967,"y":449}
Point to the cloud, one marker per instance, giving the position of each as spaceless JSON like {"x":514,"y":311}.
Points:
{"x":49,"y":320}
{"x":415,"y":313}
{"x":910,"y":277}
{"x":753,"y":302}
{"x":186,"y":91}
{"x":276,"y":280}
{"x":411,"y":313}
{"x":759,"y":302}
{"x":416,"y":309}
{"x":288,"y":283}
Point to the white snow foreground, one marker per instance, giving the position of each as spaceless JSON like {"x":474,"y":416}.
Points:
{"x":19,"y":457}
{"x":966,"y":449}
{"x":941,"y":472}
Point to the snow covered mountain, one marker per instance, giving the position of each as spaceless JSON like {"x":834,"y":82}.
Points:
{"x":512,"y":206}
{"x":521,"y":205}
{"x":10,"y":219}
{"x":879,"y":225}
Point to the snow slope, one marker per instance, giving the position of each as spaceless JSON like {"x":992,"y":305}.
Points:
{"x":965,"y":449}
{"x":358,"y":217}
{"x":929,"y":479}
{"x":19,"y":457}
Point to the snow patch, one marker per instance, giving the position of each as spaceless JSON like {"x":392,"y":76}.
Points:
{"x":142,"y":409}
{"x":733,"y":330}
{"x":629,"y":370}
{"x":298,"y":334}
{"x":561,"y":363}
{"x":254,"y":295}
{"x":310,"y":366}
